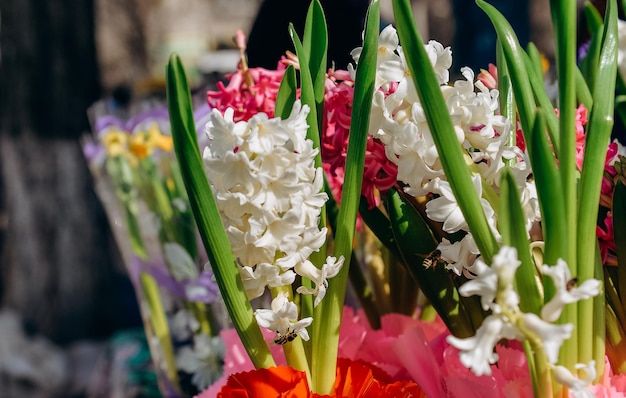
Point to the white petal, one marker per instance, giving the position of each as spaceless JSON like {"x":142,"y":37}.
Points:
{"x":551,"y":335}
{"x":565,"y":294}
{"x":477,"y":352}
{"x":576,"y":386}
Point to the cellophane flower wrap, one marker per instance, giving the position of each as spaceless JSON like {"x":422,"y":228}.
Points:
{"x":137,"y":178}
{"x":474,"y":219}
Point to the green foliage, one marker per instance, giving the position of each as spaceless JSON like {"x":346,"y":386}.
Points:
{"x":207,"y":216}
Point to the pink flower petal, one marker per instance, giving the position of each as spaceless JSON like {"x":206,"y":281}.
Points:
{"x":413,"y":352}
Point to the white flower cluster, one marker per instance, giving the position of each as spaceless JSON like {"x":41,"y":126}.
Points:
{"x":399,"y":122}
{"x":494,"y":284}
{"x":270,"y":196}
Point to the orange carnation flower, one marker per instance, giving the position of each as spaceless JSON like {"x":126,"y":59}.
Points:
{"x":359,"y":379}
{"x":277,"y":381}
{"x":355,"y":379}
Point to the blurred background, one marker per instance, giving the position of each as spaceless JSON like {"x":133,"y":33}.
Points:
{"x":64,"y":293}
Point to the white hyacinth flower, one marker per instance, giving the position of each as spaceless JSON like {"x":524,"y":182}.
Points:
{"x":282,"y":318}
{"x":459,"y":256}
{"x":494,"y":284}
{"x":577,"y":387}
{"x":256,"y":279}
{"x":389,"y":66}
{"x":398,"y":120}
{"x":446,"y":209}
{"x":565,"y":292}
{"x":477,"y":352}
{"x":269,"y":193}
{"x":493,"y":281}
{"x":318,"y":276}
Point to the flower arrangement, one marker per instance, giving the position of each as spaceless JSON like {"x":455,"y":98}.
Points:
{"x":138,"y":180}
{"x":478,"y":222}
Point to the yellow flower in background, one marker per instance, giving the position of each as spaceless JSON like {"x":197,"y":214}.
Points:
{"x":115,"y":141}
{"x":139,"y":145}
{"x":164,"y":142}
{"x":145,"y":142}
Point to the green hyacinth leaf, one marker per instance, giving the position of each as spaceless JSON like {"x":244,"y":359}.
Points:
{"x":207,"y":216}
{"x":450,"y":152}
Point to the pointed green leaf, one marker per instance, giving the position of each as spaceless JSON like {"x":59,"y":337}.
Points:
{"x":307,"y":93}
{"x":593,"y":19}
{"x":286,"y":93}
{"x":511,"y":223}
{"x":535,"y":58}
{"x":325,"y":339}
{"x":582,"y":90}
{"x":515,"y":58}
{"x":506,"y":98}
{"x":543,"y":102}
{"x":415,"y":243}
{"x":450,"y":152}
{"x":549,"y":192}
{"x":315,"y":42}
{"x":207,"y":216}
{"x":589,"y":64}
{"x":598,"y":135}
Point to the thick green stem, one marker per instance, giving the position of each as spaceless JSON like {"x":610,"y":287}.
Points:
{"x":296,"y":357}
{"x":564,"y":22}
{"x":208,"y":219}
{"x":328,"y":313}
{"x":542,"y":373}
{"x":443,"y":133}
{"x":294,"y":350}
{"x":598,"y":135}
{"x":159,"y":327}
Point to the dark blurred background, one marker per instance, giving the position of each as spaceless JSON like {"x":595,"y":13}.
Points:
{"x":61,"y":274}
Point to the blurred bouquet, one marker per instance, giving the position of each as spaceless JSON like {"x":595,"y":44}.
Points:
{"x":480,"y":222}
{"x":138,"y":180}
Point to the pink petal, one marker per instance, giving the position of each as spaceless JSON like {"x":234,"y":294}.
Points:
{"x":413,"y":352}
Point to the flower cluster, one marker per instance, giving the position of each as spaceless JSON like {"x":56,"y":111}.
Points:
{"x":354,"y":378}
{"x":495,"y":286}
{"x":470,"y":194}
{"x":613,"y":173}
{"x":379,"y":174}
{"x":398,"y":121}
{"x":138,"y":182}
{"x":270,"y":197}
{"x":142,"y":136}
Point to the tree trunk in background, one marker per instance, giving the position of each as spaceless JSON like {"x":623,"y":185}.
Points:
{"x":56,"y":251}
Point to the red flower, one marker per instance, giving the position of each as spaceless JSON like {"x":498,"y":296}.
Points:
{"x":606,"y":240}
{"x":355,"y":379}
{"x":489,"y":77}
{"x":379,"y":173}
{"x":254,"y":90}
{"x":248,"y":100}
{"x":278,"y":381}
{"x":359,"y":379}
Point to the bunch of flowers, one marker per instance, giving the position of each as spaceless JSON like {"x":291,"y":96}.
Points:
{"x":138,"y":180}
{"x":483,"y":191}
